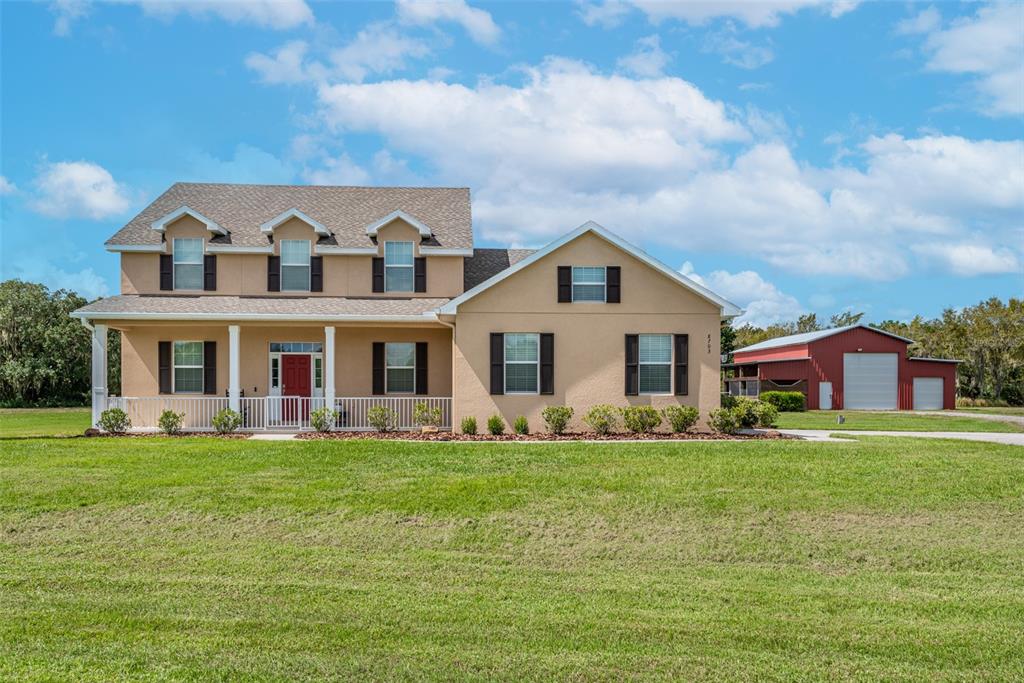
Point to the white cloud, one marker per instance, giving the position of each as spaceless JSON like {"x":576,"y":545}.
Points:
{"x":340,"y":170}
{"x":377,"y":49}
{"x":478,"y":23}
{"x":286,"y":65}
{"x":86,"y":282}
{"x":759,"y":14}
{"x":970,"y":259}
{"x":988,"y":46}
{"x":78,"y":189}
{"x":648,"y":60}
{"x":6,"y":186}
{"x":762,"y":302}
{"x":925,"y":21}
{"x":247,"y":164}
{"x":273,"y":14}
{"x":607,"y":14}
{"x":735,"y":51}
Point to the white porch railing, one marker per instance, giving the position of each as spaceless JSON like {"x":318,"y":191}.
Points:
{"x":286,"y":413}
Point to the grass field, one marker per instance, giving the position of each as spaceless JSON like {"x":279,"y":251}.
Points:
{"x":1012,"y":410}
{"x":904,"y":422}
{"x":43,"y":422}
{"x":204,"y":559}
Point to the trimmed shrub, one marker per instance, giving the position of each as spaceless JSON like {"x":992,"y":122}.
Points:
{"x":557,"y":418}
{"x":495,"y":425}
{"x":521,"y":426}
{"x":724,"y":420}
{"x":767,"y":414}
{"x":602,"y":418}
{"x":115,"y":421}
{"x":469,"y":425}
{"x":170,"y":422}
{"x":785,"y":401}
{"x":641,"y":419}
{"x":227,"y":421}
{"x":425,"y":416}
{"x":681,"y":418}
{"x":382,"y":418}
{"x":323,"y":419}
{"x":746,"y":412}
{"x":727,"y":400}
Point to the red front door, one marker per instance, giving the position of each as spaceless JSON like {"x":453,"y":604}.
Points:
{"x":295,"y":381}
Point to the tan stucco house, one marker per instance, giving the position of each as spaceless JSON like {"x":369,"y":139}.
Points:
{"x":277,"y":300}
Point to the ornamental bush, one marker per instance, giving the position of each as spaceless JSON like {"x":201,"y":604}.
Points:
{"x":767,"y":414}
{"x":495,"y":425}
{"x":115,"y":421}
{"x":170,"y":422}
{"x":724,"y":420}
{"x":323,"y":419}
{"x":425,"y":416}
{"x":382,"y":418}
{"x":785,"y":401}
{"x":556,"y":418}
{"x":746,"y":412}
{"x":521,"y":426}
{"x":681,"y":418}
{"x":227,"y":421}
{"x":602,"y":418}
{"x":641,"y":419}
{"x":469,"y":425}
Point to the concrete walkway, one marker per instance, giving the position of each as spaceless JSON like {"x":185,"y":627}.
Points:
{"x":825,"y":435}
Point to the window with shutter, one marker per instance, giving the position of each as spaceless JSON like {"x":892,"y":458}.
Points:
{"x":682,"y":360}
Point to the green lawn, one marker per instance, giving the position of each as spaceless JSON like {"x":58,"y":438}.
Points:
{"x":904,"y":422}
{"x":1012,"y":410}
{"x":43,"y":422}
{"x":200,"y":559}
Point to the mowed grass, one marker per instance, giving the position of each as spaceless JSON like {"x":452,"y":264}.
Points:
{"x":18,"y":422}
{"x":904,"y":422}
{"x":1017,"y":411}
{"x":206,"y":559}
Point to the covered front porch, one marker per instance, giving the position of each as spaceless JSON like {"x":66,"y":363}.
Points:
{"x":274,"y":375}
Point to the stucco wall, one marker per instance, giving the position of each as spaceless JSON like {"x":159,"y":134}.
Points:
{"x":589,"y":365}
{"x":246,"y":274}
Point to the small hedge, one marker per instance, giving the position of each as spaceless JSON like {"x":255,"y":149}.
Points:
{"x":382,"y":418}
{"x":170,"y":422}
{"x":785,"y":401}
{"x":227,"y":421}
{"x":521,"y":425}
{"x":115,"y":421}
{"x":641,"y":419}
{"x":602,"y":418}
{"x":495,"y":425}
{"x":469,"y":425}
{"x":323,"y":419}
{"x":680,"y":418}
{"x":557,"y":418}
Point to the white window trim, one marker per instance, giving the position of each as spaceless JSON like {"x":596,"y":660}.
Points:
{"x":309,"y":268}
{"x":387,"y":390}
{"x":175,"y":366}
{"x":603,"y":283}
{"x":175,"y":264}
{"x":671,"y":358}
{"x":399,"y":265}
{"x":506,"y":362}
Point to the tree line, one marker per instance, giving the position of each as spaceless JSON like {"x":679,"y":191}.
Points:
{"x":45,"y":355}
{"x":988,"y":337}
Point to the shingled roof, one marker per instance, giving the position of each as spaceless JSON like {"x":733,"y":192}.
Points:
{"x":344,"y":211}
{"x":485,"y":263}
{"x":217,"y":307}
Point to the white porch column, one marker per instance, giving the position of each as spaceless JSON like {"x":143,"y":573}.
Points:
{"x":99,"y":372}
{"x":329,"y":367}
{"x":234,"y":391}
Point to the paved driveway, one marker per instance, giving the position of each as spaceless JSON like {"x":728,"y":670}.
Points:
{"x":991,"y":437}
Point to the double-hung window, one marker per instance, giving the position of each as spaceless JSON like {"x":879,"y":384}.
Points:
{"x":588,"y":283}
{"x":188,"y":367}
{"x":294,"y":265}
{"x":400,"y":367}
{"x":655,"y":364}
{"x":188,"y":263}
{"x":522,"y":363}
{"x":398,"y":266}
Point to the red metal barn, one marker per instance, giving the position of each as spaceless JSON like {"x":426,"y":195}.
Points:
{"x":850,"y":368}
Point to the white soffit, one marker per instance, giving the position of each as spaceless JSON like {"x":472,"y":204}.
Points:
{"x":317,"y":226}
{"x":374,"y":227}
{"x":161,"y":224}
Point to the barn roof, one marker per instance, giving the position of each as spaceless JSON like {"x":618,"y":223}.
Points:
{"x":808,"y":337}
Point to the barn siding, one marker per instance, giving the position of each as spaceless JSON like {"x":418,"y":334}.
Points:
{"x":792,"y":351}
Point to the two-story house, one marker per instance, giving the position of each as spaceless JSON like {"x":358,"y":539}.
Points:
{"x":276,"y":300}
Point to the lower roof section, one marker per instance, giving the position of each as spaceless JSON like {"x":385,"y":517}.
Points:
{"x":252,"y":308}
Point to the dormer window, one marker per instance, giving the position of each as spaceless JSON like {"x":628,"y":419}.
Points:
{"x":295,"y":270}
{"x":188,"y":263}
{"x":398,"y":266}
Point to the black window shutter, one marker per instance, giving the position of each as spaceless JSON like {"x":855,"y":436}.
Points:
{"x":547,"y":363}
{"x":497,"y":363}
{"x":564,"y":284}
{"x":378,"y":274}
{"x":632,"y":364}
{"x":166,"y":272}
{"x":210,"y":273}
{"x":682,"y":362}
{"x":273,"y":273}
{"x":421,"y":274}
{"x":613,"y":279}
{"x":421,"y":368}
{"x":316,"y":274}
{"x":378,"y":368}
{"x":210,"y":367}
{"x":164,"y":363}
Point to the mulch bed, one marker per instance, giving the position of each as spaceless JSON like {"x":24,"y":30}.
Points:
{"x":153,"y":435}
{"x":569,"y":436}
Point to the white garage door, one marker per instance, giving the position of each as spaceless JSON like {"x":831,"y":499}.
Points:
{"x":928,"y":393}
{"x":869,"y":381}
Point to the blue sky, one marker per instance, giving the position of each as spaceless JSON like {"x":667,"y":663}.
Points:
{"x":794,"y":155}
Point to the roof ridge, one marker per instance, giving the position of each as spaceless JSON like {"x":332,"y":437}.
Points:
{"x":312,"y":185}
